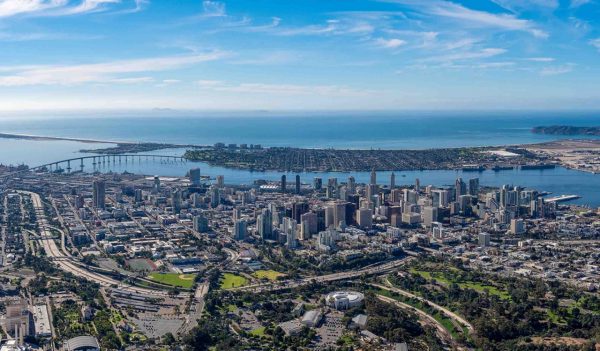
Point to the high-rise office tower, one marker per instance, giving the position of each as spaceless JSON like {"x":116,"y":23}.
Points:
{"x":310,"y":220}
{"x":283,"y":183}
{"x":99,"y":194}
{"x":318,"y":183}
{"x":351,"y":185}
{"x":138,"y":195}
{"x":484,"y":239}
{"x":460,"y":188}
{"x":474,"y":186}
{"x":215,"y":196}
{"x":156,"y":187}
{"x":430,"y":215}
{"x":297,"y":184}
{"x":200,"y":223}
{"x":264,"y":223}
{"x":239,"y":230}
{"x":289,"y":228}
{"x":195,"y":176}
{"x":176,"y":200}
{"x":298,"y":209}
{"x":392,"y":181}
{"x":417,"y":185}
{"x":373,"y":177}
{"x":220,"y":181}
{"x":364,"y":218}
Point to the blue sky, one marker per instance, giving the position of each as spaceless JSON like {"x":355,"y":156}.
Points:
{"x":299,"y":55}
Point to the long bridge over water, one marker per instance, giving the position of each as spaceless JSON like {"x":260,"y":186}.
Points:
{"x":78,"y":163}
{"x":104,"y":160}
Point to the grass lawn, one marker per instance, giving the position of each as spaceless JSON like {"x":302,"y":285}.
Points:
{"x":230,"y":280}
{"x":258,"y":331}
{"x":270,"y":274}
{"x":185,"y":281}
{"x":479,"y":287}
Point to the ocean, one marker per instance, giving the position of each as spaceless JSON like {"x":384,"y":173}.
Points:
{"x":418,"y":130}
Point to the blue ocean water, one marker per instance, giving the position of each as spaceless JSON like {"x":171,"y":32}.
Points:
{"x":416,"y":130}
{"x":405,"y":130}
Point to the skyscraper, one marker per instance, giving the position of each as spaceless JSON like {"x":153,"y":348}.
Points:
{"x":289,"y":228}
{"x":392,"y":181}
{"x":239,"y":230}
{"x":220,"y":181}
{"x":474,"y":186}
{"x":195,"y":176}
{"x":373,"y":177}
{"x":283,"y":183}
{"x":156,"y":187}
{"x":351,"y":185}
{"x":176,"y":201}
{"x":297,"y":184}
{"x":264,"y":224}
{"x":99,"y":194}
{"x":200,"y":223}
{"x":460,"y":188}
{"x":318,"y":183}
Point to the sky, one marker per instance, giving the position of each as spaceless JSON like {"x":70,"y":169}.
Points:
{"x":58,"y":55}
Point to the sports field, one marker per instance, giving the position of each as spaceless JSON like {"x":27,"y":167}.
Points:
{"x":185,"y":281}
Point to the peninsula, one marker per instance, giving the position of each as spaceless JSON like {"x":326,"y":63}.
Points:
{"x":566,"y":130}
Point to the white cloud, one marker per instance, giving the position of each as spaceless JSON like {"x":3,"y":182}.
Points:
{"x":458,"y":12}
{"x":540,"y":59}
{"x":596,"y":43}
{"x":577,"y":3}
{"x":556,"y":70}
{"x":16,"y":7}
{"x":527,"y":5}
{"x":9,"y":8}
{"x":214,"y":9}
{"x":467,"y":55}
{"x":390,"y":43}
{"x":97,"y":72}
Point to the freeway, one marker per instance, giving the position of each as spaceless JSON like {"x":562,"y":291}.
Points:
{"x":66,"y":264}
{"x":456,"y":317}
{"x":293,"y":283}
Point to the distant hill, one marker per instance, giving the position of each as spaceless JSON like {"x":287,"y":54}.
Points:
{"x":566,"y":130}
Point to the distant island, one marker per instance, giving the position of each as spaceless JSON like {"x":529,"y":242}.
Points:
{"x":566,"y":130}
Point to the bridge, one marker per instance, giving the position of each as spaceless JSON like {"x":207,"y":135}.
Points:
{"x":71,"y":164}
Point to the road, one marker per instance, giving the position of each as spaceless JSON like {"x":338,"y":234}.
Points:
{"x":454,"y":316}
{"x":64,"y":262}
{"x":287,"y":284}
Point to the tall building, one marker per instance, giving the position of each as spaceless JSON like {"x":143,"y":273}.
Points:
{"x":317,"y":183}
{"x":99,"y":194}
{"x":417,"y":185}
{"x":309,"y":223}
{"x":298,"y":209}
{"x":156,"y":187}
{"x":195,"y":176}
{"x":176,"y":200}
{"x":220,"y":181}
{"x":297,"y":184}
{"x":392,"y":181}
{"x":364,"y":218}
{"x":373,"y":177}
{"x":215,"y":196}
{"x":200,"y":223}
{"x":239,"y":230}
{"x":484,"y":239}
{"x":264,"y":224}
{"x":289,"y":228}
{"x":430,"y":215}
{"x":517,"y":226}
{"x":474,"y":186}
{"x":460,"y":188}
{"x":351,"y":185}
{"x":283,"y":183}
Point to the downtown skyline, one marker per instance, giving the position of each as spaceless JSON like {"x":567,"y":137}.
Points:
{"x":313,"y":55}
